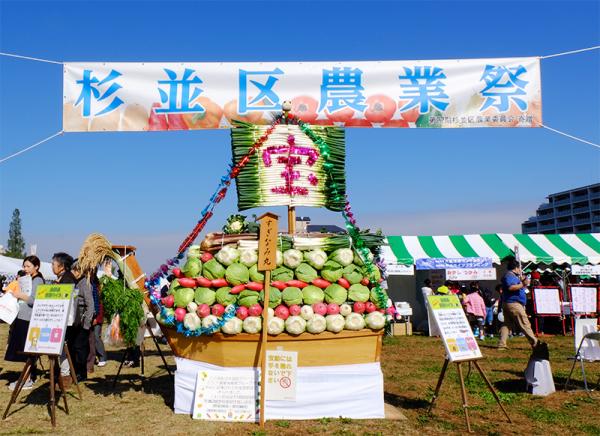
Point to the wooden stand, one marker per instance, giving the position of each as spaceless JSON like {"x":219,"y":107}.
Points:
{"x":463,"y":390}
{"x":54,"y":363}
{"x":142,"y":351}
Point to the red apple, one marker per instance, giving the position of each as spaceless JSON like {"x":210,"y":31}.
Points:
{"x":242,"y":312}
{"x":218,"y":309}
{"x":295,"y":310}
{"x":206,"y":256}
{"x":255,"y":310}
{"x":282,"y":312}
{"x":359,"y":307}
{"x":320,"y":308}
{"x":203,"y":310}
{"x":168,"y":301}
{"x":370,"y":307}
{"x":333,"y":309}
{"x":180,"y":313}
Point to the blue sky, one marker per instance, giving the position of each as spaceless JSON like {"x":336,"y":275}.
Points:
{"x":147,"y":189}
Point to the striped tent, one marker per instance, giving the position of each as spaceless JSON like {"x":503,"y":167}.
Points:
{"x":567,"y":248}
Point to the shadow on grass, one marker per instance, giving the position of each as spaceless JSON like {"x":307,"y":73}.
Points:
{"x":160,"y":384}
{"x":403,"y":402}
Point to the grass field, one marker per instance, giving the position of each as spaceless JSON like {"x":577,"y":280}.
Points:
{"x":411,"y":366}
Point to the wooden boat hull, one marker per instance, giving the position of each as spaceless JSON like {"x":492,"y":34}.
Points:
{"x":243,"y":350}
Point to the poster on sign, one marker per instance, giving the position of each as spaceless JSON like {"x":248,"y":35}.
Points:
{"x":471,"y":274}
{"x":585,"y":270}
{"x":226,"y":396}
{"x":281,"y":375}
{"x":546,"y":301}
{"x":49,"y":316}
{"x":584,"y":299}
{"x":454,"y":327}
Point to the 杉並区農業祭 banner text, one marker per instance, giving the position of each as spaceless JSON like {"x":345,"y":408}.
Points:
{"x":180,"y":96}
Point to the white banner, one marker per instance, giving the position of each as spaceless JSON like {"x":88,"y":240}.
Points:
{"x":115,"y":96}
{"x":584,"y":299}
{"x":471,"y":274}
{"x":585,"y":270}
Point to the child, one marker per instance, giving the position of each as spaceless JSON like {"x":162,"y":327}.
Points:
{"x":476,"y":311}
{"x":14,"y":285}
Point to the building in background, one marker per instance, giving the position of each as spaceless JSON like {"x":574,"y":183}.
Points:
{"x":573,"y":211}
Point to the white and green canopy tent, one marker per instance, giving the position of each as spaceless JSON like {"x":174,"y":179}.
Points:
{"x":581,"y":249}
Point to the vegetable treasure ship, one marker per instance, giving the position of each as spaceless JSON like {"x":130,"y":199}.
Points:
{"x":325,"y":297}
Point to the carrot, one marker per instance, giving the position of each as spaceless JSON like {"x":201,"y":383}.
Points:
{"x":321,"y":283}
{"x":254,"y":286}
{"x":297,"y":283}
{"x":279,"y":285}
{"x":204,"y":282}
{"x":237,"y":289}
{"x":187,"y":282}
{"x":344,"y":283}
{"x":219,"y":283}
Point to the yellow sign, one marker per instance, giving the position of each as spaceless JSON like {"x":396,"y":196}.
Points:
{"x":267,"y":242}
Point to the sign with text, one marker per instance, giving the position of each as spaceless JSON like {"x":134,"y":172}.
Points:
{"x":225,"y":396}
{"x":456,"y":93}
{"x":585,"y":270}
{"x":267,"y":242}
{"x":49,"y":317}
{"x":470,"y":274}
{"x":454,"y":327}
{"x":547,"y":301}
{"x":584,"y":299}
{"x":281,"y":375}
{"x":396,"y":269}
{"x":454,"y":263}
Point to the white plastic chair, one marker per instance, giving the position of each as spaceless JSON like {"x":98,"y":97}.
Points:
{"x":588,"y":353}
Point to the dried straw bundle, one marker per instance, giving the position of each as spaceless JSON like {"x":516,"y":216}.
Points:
{"x":94,"y":250}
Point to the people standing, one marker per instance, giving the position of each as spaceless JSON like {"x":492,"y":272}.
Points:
{"x":475,"y":309}
{"x":18,"y":330}
{"x":491,"y":299}
{"x":514,"y":299}
{"x":61,"y":267}
{"x":426,"y":290}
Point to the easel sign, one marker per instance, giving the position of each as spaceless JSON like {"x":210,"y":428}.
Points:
{"x":547,"y":303}
{"x":584,"y":299}
{"x":454,"y":327}
{"x":49,"y":316}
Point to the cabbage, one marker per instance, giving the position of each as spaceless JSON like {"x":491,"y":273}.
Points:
{"x":292,"y":258}
{"x":307,"y":312}
{"x":316,"y":324}
{"x":358,"y":292}
{"x":312,"y":294}
{"x":213,"y":270}
{"x":375,"y":320}
{"x":173,"y":287}
{"x":224,"y":297}
{"x":248,"y":257}
{"x":374,"y":298}
{"x":228,"y":255}
{"x":183,"y":297}
{"x":282,"y":274}
{"x":332,"y":271}
{"x":295,"y":325}
{"x":275,"y":326}
{"x":255,"y":275}
{"x":233,"y":326}
{"x":247,"y":298}
{"x":274,"y":297}
{"x":335,"y":293}
{"x":316,"y":258}
{"x":353,"y":274}
{"x":236,"y":274}
{"x":355,"y":321}
{"x":343,"y":256}
{"x":292,"y":295}
{"x":194,"y":251}
{"x":376,"y":272}
{"x":209,"y":321}
{"x":306,"y":273}
{"x":278,"y":258}
{"x":252,"y":324}
{"x":192,"y":267}
{"x":345,"y":309}
{"x":358,"y":260}
{"x":204,"y":296}
{"x":335,"y":323}
{"x":192,"y":321}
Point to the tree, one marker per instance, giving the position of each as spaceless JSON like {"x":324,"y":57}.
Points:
{"x":16,"y":243}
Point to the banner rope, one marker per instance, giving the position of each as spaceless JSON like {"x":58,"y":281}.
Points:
{"x":4,"y":159}
{"x":11,"y":55}
{"x":564,"y":53}
{"x":570,"y":136}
